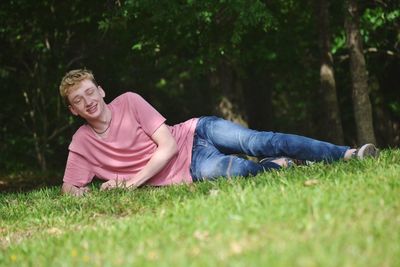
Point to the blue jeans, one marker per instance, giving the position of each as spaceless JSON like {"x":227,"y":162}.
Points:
{"x":217,"y":140}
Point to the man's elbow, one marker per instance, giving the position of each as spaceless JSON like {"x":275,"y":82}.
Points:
{"x":174,"y":149}
{"x":169,"y":149}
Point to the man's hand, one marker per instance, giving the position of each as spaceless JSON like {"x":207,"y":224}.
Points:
{"x":111,"y":184}
{"x":73,"y":190}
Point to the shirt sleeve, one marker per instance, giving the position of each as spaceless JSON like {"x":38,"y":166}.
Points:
{"x":77,"y":170}
{"x":147,"y":116}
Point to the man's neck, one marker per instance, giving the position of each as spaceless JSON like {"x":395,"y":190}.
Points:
{"x":101,"y":124}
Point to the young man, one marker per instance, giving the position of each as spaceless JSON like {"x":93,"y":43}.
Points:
{"x":128,"y":144}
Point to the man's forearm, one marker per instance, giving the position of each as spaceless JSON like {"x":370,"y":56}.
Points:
{"x":167,"y":148}
{"x":158,"y":161}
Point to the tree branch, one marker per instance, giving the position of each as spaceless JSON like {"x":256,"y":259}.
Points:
{"x":57,"y":132}
{"x":72,"y":61}
{"x":371,"y":50}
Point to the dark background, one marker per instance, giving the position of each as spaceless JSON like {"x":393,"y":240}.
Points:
{"x":254,"y":62}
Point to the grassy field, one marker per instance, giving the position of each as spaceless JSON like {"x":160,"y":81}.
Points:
{"x":344,"y":214}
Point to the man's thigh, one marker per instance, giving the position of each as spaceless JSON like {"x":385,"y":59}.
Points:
{"x":211,"y":164}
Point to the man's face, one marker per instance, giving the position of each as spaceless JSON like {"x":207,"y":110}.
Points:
{"x":86,"y":100}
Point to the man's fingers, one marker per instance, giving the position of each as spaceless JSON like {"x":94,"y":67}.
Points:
{"x":86,"y":189}
{"x":82,"y":191}
{"x":104,"y":186}
{"x":107,"y":185}
{"x":111,"y":184}
{"x":77,"y":192}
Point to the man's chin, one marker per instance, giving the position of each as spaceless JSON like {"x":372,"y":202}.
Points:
{"x":90,"y":117}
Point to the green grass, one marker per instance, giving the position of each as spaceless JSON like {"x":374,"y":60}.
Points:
{"x":348,"y":216}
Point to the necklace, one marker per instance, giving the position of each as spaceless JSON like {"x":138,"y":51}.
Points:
{"x":109,"y":124}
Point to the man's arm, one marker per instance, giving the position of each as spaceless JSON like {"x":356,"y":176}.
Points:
{"x":69,"y":189}
{"x":166,"y":150}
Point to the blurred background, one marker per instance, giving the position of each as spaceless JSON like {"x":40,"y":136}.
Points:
{"x":325,"y":69}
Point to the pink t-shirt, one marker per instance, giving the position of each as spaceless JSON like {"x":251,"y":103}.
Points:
{"x":128,"y":146}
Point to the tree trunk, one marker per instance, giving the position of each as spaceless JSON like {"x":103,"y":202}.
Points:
{"x":39,"y":146}
{"x":40,"y":153}
{"x":359,"y":76}
{"x":230,"y":106}
{"x":330,"y":108}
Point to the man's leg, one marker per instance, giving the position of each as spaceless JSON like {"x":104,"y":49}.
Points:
{"x":231,"y":138}
{"x":209,"y":163}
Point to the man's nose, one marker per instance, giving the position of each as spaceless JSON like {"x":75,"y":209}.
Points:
{"x":87,"y":101}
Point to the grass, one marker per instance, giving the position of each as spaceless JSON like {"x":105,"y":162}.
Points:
{"x":344,"y":214}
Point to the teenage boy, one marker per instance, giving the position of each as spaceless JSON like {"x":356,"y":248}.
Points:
{"x":127,"y":143}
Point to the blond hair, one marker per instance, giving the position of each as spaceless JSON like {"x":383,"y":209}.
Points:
{"x":72,"y":79}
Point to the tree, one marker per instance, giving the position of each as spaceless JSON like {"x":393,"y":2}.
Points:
{"x":41,"y":43}
{"x":204,"y":40}
{"x":359,"y":76}
{"x":329,"y":106}
{"x":260,"y":59}
{"x":380,"y":24}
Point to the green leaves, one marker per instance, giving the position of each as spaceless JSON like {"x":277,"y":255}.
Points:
{"x":171,"y":51}
{"x":378,"y":17}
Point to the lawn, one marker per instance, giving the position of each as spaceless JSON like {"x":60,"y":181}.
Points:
{"x":343,"y":214}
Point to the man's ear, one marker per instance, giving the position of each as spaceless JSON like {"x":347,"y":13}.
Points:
{"x":72,"y":109}
{"x":102,"y":92}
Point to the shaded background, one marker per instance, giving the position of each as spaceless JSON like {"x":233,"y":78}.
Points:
{"x":254,"y":62}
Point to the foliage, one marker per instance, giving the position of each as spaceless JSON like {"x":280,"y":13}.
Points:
{"x":171,"y":52}
{"x":380,"y":32}
{"x":39,"y":38}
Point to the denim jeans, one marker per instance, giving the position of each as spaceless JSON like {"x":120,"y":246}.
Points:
{"x":217,"y":142}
